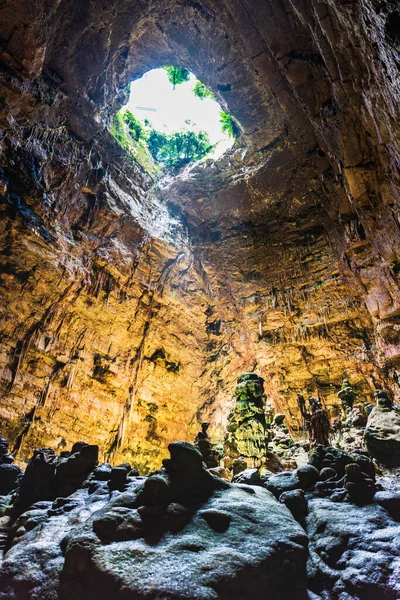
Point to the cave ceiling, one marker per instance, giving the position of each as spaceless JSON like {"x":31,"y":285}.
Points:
{"x":139,"y":302}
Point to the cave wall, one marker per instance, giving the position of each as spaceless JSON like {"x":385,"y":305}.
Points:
{"x":129,"y":307}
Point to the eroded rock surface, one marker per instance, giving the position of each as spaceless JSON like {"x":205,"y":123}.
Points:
{"x":354,"y":552}
{"x":128,"y":310}
{"x":382,"y":434}
{"x":182,"y":533}
{"x":247,"y":435}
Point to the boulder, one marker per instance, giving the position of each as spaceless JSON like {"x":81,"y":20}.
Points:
{"x":390,"y":501}
{"x":335,"y":458}
{"x":327,"y":473}
{"x":241,"y":544}
{"x":118,"y":478}
{"x":296,"y":502}
{"x":238,"y":465}
{"x":73,"y":470}
{"x":48,"y":475}
{"x":38,"y":482}
{"x":10,"y":478}
{"x":3,"y":447}
{"x":221,"y":472}
{"x":5,"y":458}
{"x":352,"y":551}
{"x":308,"y":476}
{"x":163,"y":539}
{"x":188,"y":475}
{"x":360,"y":488}
{"x":102,"y":472}
{"x":283,"y":482}
{"x":32,"y":564}
{"x":249,"y":477}
{"x":382,"y":435}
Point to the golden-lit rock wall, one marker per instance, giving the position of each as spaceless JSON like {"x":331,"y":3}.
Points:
{"x":128,"y":308}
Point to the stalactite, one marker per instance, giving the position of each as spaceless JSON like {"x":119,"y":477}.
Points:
{"x":26,"y":344}
{"x":36,"y":330}
{"x":72,"y":374}
{"x":45,"y":394}
{"x":124,"y":422}
{"x":122,"y":427}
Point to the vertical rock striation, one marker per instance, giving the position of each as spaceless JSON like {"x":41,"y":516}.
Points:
{"x":130,"y":306}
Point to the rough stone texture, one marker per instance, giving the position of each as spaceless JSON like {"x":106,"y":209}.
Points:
{"x":10,"y":478}
{"x":32,"y":566}
{"x":382,"y":435}
{"x":251,"y":555}
{"x":283,"y":482}
{"x":127,"y":312}
{"x":247,"y":436}
{"x":181,"y":533}
{"x":49,"y":476}
{"x":354,"y":552}
{"x":10,"y":475}
{"x":337,"y":459}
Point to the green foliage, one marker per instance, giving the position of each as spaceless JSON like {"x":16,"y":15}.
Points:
{"x":148,"y":145}
{"x":135,"y":128}
{"x":179,"y":148}
{"x":156,"y":143}
{"x":201,"y":91}
{"x":228,"y":124}
{"x":118,"y":132}
{"x":131,"y":136}
{"x":177,"y":75}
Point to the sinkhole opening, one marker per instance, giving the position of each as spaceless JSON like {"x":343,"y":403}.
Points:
{"x":171,"y":120}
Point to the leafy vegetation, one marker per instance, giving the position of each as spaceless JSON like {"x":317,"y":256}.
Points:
{"x":132,"y":139}
{"x":148,"y":145}
{"x":177,"y":75}
{"x":179,"y":148}
{"x":154,"y":149}
{"x":118,"y":130}
{"x":228,"y":124}
{"x":202,"y":91}
{"x":134,"y":126}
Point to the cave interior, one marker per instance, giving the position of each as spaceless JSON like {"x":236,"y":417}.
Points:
{"x":132,"y":303}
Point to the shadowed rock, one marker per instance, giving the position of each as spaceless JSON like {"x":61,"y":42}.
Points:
{"x":382,"y":434}
{"x":187,"y":532}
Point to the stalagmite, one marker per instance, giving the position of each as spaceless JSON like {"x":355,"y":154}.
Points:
{"x":146,"y":292}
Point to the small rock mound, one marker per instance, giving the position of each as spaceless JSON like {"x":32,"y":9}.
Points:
{"x":328,"y":457}
{"x":49,"y":476}
{"x":10,"y":475}
{"x":186,"y":533}
{"x":382,"y":434}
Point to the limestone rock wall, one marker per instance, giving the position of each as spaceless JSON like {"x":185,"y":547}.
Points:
{"x":129,"y":307}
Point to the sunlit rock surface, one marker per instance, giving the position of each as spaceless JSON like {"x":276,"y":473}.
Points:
{"x":247,"y":436}
{"x":349,"y":556}
{"x":127,"y":308}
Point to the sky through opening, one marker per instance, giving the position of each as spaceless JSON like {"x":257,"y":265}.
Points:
{"x":168,"y":110}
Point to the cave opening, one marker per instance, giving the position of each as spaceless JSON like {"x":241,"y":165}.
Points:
{"x":171,"y":120}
